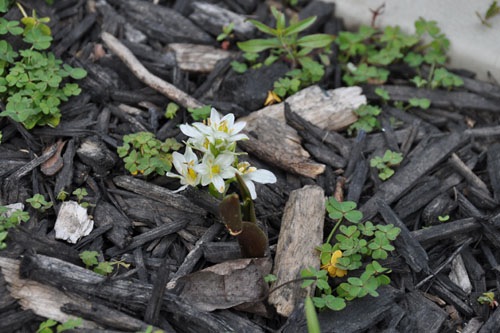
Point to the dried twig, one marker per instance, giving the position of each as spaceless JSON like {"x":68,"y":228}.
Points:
{"x":145,"y":76}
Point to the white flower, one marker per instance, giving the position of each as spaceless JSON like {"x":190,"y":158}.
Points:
{"x":185,"y":166}
{"x":225,"y":128}
{"x":215,"y":170}
{"x":251,"y":174}
{"x":198,"y":139}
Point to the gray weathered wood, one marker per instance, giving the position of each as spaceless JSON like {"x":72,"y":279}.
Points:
{"x":301,"y":231}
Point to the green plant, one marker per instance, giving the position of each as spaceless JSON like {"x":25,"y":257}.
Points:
{"x":367,"y":119}
{"x":358,"y":244}
{"x":385,"y":162}
{"x":492,"y":11}
{"x":286,"y":44}
{"x":488,"y":298}
{"x":10,"y":218}
{"x":270,"y":278}
{"x":150,"y":329}
{"x":366,"y":53}
{"x":89,"y":258}
{"x":422,"y":103}
{"x":143,"y":153}
{"x":200,"y":113}
{"x":32,"y":81}
{"x":38,"y":202}
{"x":47,"y":326}
{"x":171,"y":110}
{"x":226,"y":33}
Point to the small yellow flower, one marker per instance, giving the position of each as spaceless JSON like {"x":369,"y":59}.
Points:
{"x":333,"y":270}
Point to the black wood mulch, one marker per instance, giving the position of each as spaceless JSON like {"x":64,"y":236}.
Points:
{"x":451,"y":167}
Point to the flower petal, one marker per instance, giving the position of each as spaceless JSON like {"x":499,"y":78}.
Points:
{"x":262,"y":176}
{"x":190,"y":131}
{"x":251,"y":188}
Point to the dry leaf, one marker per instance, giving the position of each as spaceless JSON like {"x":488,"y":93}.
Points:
{"x":227,"y":284}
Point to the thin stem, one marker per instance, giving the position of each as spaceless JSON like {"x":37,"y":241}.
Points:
{"x":333,"y":230}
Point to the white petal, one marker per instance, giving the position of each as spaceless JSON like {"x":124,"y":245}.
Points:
{"x":219,"y":184}
{"x":178,"y":161}
{"x":229,"y":118}
{"x":224,"y":160}
{"x":239,"y":137}
{"x":173,"y":175}
{"x":214,"y":116}
{"x":261,"y":176}
{"x":238,"y":127}
{"x":190,"y":156}
{"x":251,"y":188}
{"x":228,"y":172}
{"x":180,"y":189}
{"x":190,"y":131}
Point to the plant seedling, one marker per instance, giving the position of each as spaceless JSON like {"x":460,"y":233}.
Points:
{"x":385,"y":163}
{"x":367,"y":119}
{"x":493,"y":10}
{"x":48,"y":325}
{"x":144,"y":154}
{"x":286,"y":44}
{"x":39,"y":203}
{"x":10,"y":218}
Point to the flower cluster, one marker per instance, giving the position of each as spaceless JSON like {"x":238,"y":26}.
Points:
{"x":218,"y":163}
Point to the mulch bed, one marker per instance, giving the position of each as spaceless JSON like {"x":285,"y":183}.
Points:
{"x":451,"y":167}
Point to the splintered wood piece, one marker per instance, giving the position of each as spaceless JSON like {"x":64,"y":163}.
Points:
{"x":277,"y":155}
{"x":418,"y":308}
{"x":328,"y":109}
{"x":97,"y":155}
{"x":145,"y":76}
{"x":107,"y":214}
{"x":414,"y":254}
{"x":438,"y":98}
{"x":446,"y":230}
{"x":161,"y":23}
{"x":79,"y":29}
{"x":301,"y":231}
{"x":493,"y":167}
{"x":195,"y":254}
{"x":306,"y":129}
{"x":213,"y":18}
{"x":458,"y":274}
{"x":158,"y":193}
{"x":124,"y":293}
{"x":467,"y":173}
{"x":198,"y":58}
{"x":409,"y":174}
{"x":44,"y":300}
{"x":360,"y":314}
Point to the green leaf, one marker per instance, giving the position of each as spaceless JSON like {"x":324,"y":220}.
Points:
{"x":334,"y":303}
{"x":299,"y":26}
{"x":39,"y":40}
{"x":89,"y":258}
{"x":270,"y":278}
{"x":258,"y":45}
{"x":75,"y":73}
{"x":315,"y":41}
{"x":103,"y":268}
{"x":200,"y":113}
{"x":264,"y":28}
{"x":311,"y":316}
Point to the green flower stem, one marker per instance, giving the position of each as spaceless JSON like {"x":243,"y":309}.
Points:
{"x":333,"y":230}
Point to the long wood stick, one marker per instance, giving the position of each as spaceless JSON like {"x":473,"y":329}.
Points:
{"x":147,"y":77}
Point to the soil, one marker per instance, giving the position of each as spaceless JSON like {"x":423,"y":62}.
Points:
{"x":160,"y":242}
